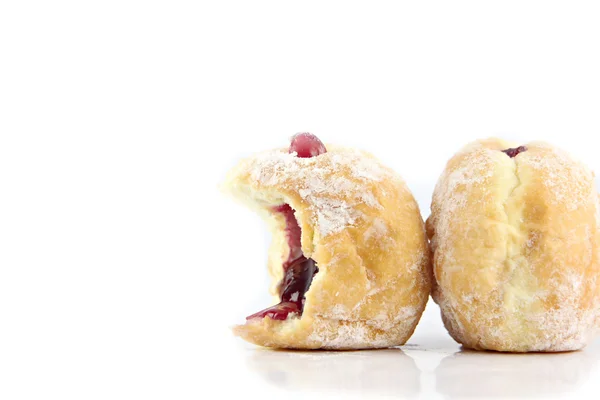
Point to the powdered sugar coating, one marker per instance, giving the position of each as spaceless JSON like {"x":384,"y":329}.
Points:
{"x":331,"y":196}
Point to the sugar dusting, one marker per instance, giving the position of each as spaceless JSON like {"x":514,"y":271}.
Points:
{"x":359,"y":334}
{"x":377,"y":230}
{"x":354,"y":332}
{"x":334,"y":198}
{"x":568,"y":179}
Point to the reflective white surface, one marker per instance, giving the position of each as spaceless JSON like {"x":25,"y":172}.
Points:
{"x":466,"y":374}
{"x":377,"y":372}
{"x":430,"y":366}
{"x":395,"y":372}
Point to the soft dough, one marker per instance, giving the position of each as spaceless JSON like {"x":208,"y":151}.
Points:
{"x":362,"y":226}
{"x":516,"y":248}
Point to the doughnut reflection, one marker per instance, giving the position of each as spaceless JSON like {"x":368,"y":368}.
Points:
{"x":500,"y":375}
{"x":387,"y":372}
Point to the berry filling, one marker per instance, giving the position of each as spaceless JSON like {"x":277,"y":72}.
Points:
{"x":307,"y":145}
{"x":298,"y":271}
{"x":514,"y":151}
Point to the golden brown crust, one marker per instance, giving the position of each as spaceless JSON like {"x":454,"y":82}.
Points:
{"x":362,"y":226}
{"x":516,"y":249}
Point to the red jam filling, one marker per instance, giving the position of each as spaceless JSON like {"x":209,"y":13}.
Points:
{"x":307,"y":145}
{"x":298,"y":271}
{"x":514,"y":151}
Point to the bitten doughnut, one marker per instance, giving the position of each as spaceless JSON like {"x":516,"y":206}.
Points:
{"x":514,"y":230}
{"x":349,"y":261}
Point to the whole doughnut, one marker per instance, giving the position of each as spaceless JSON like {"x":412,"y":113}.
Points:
{"x":514,"y":230}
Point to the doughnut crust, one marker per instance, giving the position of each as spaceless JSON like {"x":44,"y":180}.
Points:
{"x":516,"y":249}
{"x":362,"y":226}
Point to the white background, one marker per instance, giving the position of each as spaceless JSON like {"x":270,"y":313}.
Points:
{"x":122,"y":266}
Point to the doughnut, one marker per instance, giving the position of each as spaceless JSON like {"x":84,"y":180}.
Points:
{"x":515,"y":241}
{"x":349,"y":260}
